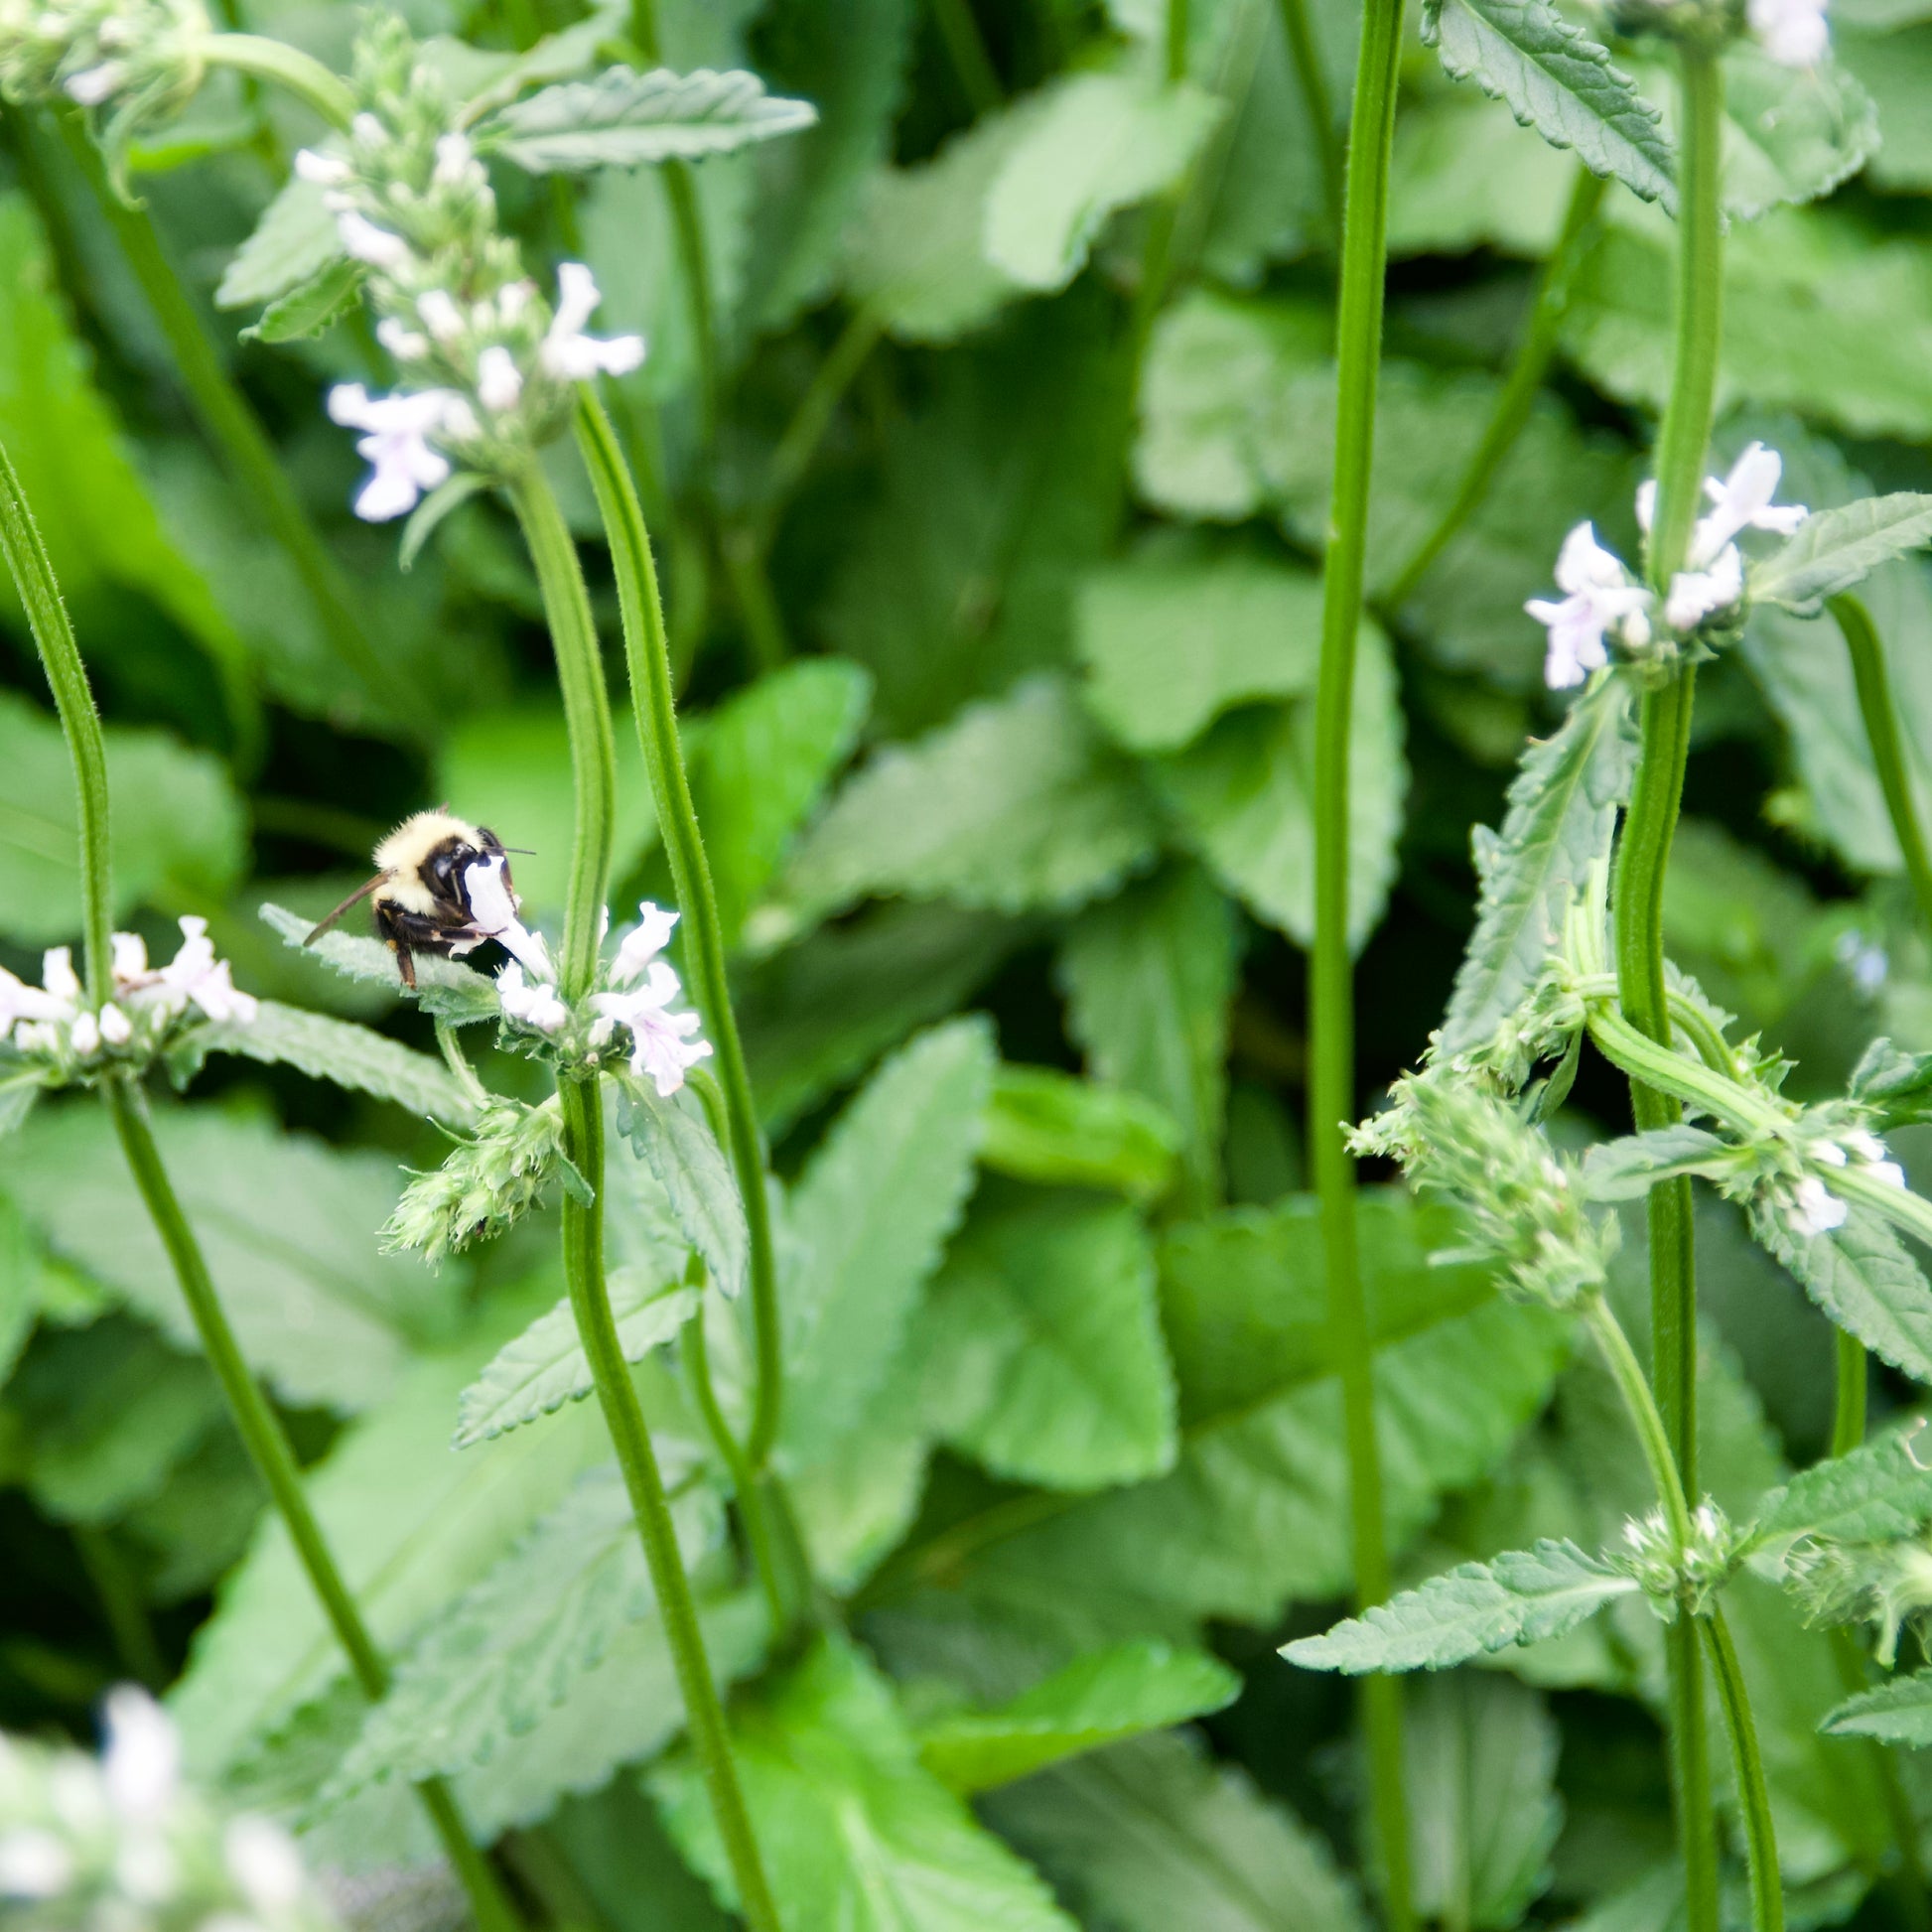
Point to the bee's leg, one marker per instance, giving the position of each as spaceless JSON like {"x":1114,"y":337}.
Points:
{"x":408,"y":934}
{"x":405,"y":962}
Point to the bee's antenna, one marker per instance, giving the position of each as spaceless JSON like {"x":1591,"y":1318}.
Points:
{"x":522,"y":851}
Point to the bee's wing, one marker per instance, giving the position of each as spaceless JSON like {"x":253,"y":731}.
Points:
{"x":360,"y":893}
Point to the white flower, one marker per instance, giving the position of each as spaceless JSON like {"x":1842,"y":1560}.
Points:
{"x":454,"y":158}
{"x":397,"y":445}
{"x":1815,"y":1209}
{"x":379,"y":247}
{"x":196,"y":975}
{"x":1600,"y":599}
{"x":534,"y":1005}
{"x":1889,"y":1172}
{"x":83,"y":1035}
{"x":33,"y":1863}
{"x":263,"y":1862}
{"x":367,"y":128}
{"x":439,"y":314}
{"x":129,"y":955}
{"x":493,"y":911}
{"x":406,"y":345}
{"x":500,"y":385}
{"x":662,"y":1047}
{"x":644,"y":942}
{"x":1791,"y":32}
{"x":115,"y":1027}
{"x":19,"y":1001}
{"x":1867,"y":1146}
{"x":59,"y":977}
{"x":1698,"y":594}
{"x":92,"y":86}
{"x":141,"y":1765}
{"x":324,"y":170}
{"x":569,"y":354}
{"x":1742,"y":502}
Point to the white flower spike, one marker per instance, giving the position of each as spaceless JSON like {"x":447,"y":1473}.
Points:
{"x":1601,"y":600}
{"x":396,"y":446}
{"x":142,"y":1762}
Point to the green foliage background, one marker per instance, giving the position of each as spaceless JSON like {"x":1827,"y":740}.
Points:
{"x":996,"y":597}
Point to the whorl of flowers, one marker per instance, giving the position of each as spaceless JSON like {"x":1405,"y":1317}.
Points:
{"x":1672,"y":1581}
{"x":54,"y":1023}
{"x":1605,"y":607}
{"x":120,"y":1842}
{"x":492,"y":1178}
{"x":142,"y":59}
{"x":1886,"y":1584}
{"x":488,"y":364}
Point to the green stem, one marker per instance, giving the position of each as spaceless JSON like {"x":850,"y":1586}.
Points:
{"x":269,"y":1450}
{"x":1747,"y":1769}
{"x":1847,"y":1408}
{"x":1305,"y":57}
{"x":757,"y":606}
{"x":1873,"y":680}
{"x":972,"y":65}
{"x":587,"y":718}
{"x":813,"y":416}
{"x":623,"y":1418}
{"x":1331,"y":1020}
{"x":694,"y":264}
{"x":287,"y":66}
{"x":647,"y":653}
{"x":1642,"y":859}
{"x":243,"y":443}
{"x":1645,"y":1416}
{"x":1517,"y":397}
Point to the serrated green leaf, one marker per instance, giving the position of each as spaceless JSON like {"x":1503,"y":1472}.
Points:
{"x":673,"y":1137}
{"x":1790,"y":134}
{"x":624,"y":119}
{"x":1245,"y":798}
{"x":507,"y":1651}
{"x":1555,"y":79}
{"x":1095,"y":1701}
{"x":411,"y":1527}
{"x":1897,"y":1083}
{"x":1874,"y":1493}
{"x":1099,"y":143}
{"x":871,"y":1217}
{"x":1172,"y":638}
{"x":1148,"y":979}
{"x":1157,"y":1834}
{"x":1898,"y":1712}
{"x":310,"y":307}
{"x":450,"y":991}
{"x":425,"y":520}
{"x":176,"y":833}
{"x":1014,"y":805}
{"x":294,"y":241}
{"x":762,"y":765}
{"x":1865,"y":1277}
{"x":1484,"y":1814}
{"x":1894,"y":68}
{"x":288,"y":1227}
{"x":1047,"y":1360}
{"x":855,"y":1831}
{"x":341,"y":1052}
{"x":1563,"y":807}
{"x":1837,"y":548}
{"x":1626,"y":1169}
{"x":1047,"y":1127}
{"x":1478,"y":1608}
{"x":546,"y":1367}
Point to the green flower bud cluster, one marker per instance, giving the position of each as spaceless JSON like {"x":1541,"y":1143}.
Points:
{"x":1885,"y":1584}
{"x":141,"y":58}
{"x":1675,"y":1580}
{"x":492,"y":1180}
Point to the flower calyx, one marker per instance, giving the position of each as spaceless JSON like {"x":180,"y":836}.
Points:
{"x":1675,"y":1579}
{"x":494,"y":1174}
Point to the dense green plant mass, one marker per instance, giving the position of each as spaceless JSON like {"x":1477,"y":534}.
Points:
{"x":865,"y":1392}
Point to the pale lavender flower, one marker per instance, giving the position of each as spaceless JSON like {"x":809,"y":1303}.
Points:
{"x":499,"y":384}
{"x":534,"y":1003}
{"x":569,"y":354}
{"x":1601,"y":601}
{"x":397,"y":447}
{"x":493,"y":913}
{"x":663,"y":1044}
{"x":644,"y":942}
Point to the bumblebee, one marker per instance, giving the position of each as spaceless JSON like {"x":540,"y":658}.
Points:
{"x":421,"y":894}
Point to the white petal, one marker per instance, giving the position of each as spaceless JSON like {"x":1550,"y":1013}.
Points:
{"x":142,"y":1762}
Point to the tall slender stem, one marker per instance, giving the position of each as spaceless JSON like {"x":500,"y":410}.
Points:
{"x":1876,"y":707}
{"x":237,"y":432}
{"x":624,"y":1417}
{"x":1331,"y":1018}
{"x":647,"y":653}
{"x":1642,"y":860}
{"x":256,"y":1421}
{"x":1645,"y":1416}
{"x":287,"y":66}
{"x":1748,"y":1767}
{"x":1517,"y":397}
{"x":1305,"y":58}
{"x":1848,"y":1407}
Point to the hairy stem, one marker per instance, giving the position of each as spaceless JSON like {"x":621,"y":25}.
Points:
{"x":1517,"y":397}
{"x":1331,"y":1019}
{"x":1874,"y":681}
{"x":1645,"y":1416}
{"x":236,"y":431}
{"x":623,"y":1418}
{"x":1747,"y":1768}
{"x":1848,"y":1407}
{"x":1642,"y":859}
{"x":287,"y":66}
{"x":647,"y":654}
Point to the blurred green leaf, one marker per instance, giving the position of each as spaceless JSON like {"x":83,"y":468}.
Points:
{"x":1898,"y":1711}
{"x":1466,"y":176}
{"x":1895,"y":69}
{"x":1043,"y":1344}
{"x":855,"y":1831}
{"x":1790,"y":135}
{"x":1097,"y":1700}
{"x":672,"y":1137}
{"x":869,"y":1218}
{"x":314,"y":306}
{"x":1045,"y":1125}
{"x":1874,"y":1493}
{"x":176,"y":836}
{"x":1837,"y":548}
{"x":294,"y":241}
{"x":443,"y":987}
